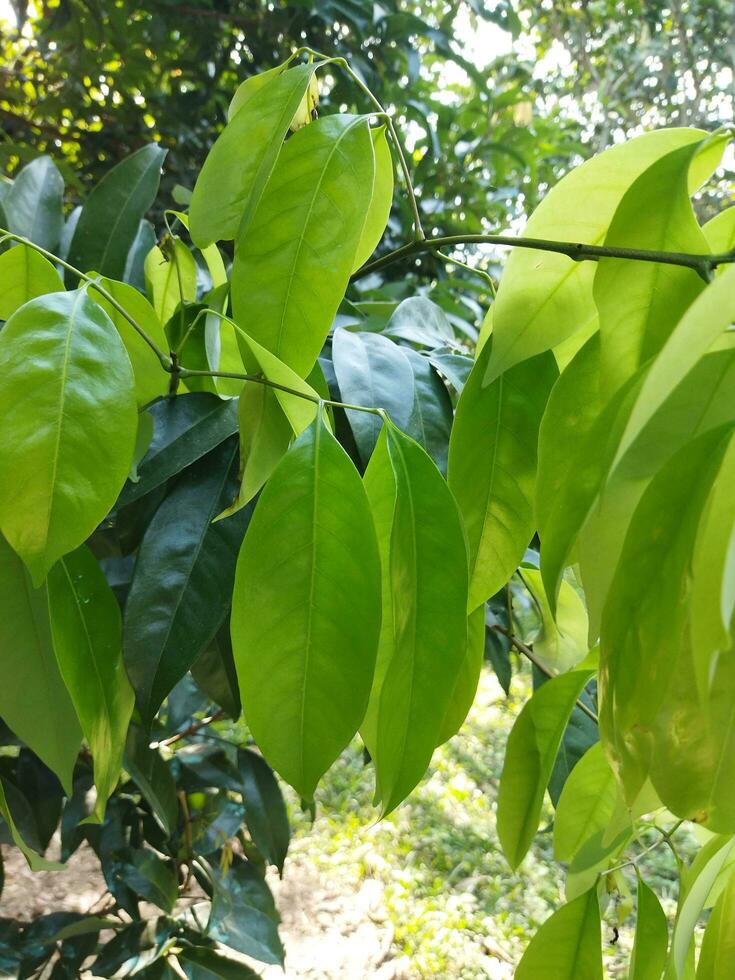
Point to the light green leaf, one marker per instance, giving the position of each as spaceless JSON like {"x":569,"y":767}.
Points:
{"x":720,"y":233}
{"x":24,"y":275}
{"x":651,"y":937}
{"x":706,"y":319}
{"x":86,"y":632}
{"x":306,"y":610}
{"x":492,"y":466}
{"x":639,"y":303}
{"x":378,"y":213}
{"x":561,"y":642}
{"x":568,"y":946}
{"x":240,"y":163}
{"x":544,"y":297}
{"x":718,"y":947}
{"x":425,"y":600}
{"x":62,"y":364}
{"x":586,"y":805}
{"x":151,"y":381}
{"x":696,"y":885}
{"x":34,"y":202}
{"x":247,"y":89}
{"x":35,"y":861}
{"x":211,"y":255}
{"x":529,"y":759}
{"x":465,"y":686}
{"x":713,"y":572}
{"x":294,"y":259}
{"x":33,"y":699}
{"x":110,"y":219}
{"x":644,"y":633}
{"x":171,"y":278}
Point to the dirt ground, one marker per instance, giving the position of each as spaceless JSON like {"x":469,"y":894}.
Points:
{"x":330,"y":929}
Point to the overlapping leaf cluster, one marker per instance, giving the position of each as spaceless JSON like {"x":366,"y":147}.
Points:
{"x":315,"y":502}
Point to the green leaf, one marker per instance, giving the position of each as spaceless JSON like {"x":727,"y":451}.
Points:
{"x":465,"y":686}
{"x":170,"y":277}
{"x":568,"y":945}
{"x":651,"y":937}
{"x":35,"y":861}
{"x":378,"y":213}
{"x":305,"y":676}
{"x":294,"y":259}
{"x":431,"y":419}
{"x":181,"y":589}
{"x":492,"y":467}
{"x":720,"y":233}
{"x":718,"y":947}
{"x":424,"y":637}
{"x":111,"y":216}
{"x":420,"y":321}
{"x":243,"y":914}
{"x":639,"y":303}
{"x":247,"y":89}
{"x":214,"y":673}
{"x":696,"y":885}
{"x":24,"y":275}
{"x":586,"y":804}
{"x":152,"y":878}
{"x":202,"y":963}
{"x":706,"y":319}
{"x":239,"y":164}
{"x":644,"y":634}
{"x":561,"y":642}
{"x":185,"y":428}
{"x":265,"y":809}
{"x":143,"y":242}
{"x":33,"y":204}
{"x":86,"y":631}
{"x":545,"y":297}
{"x":713,"y":585}
{"x":152,"y":777}
{"x":62,"y":363}
{"x":373,"y":371}
{"x":34,"y":702}
{"x":151,"y":381}
{"x":529,"y":758}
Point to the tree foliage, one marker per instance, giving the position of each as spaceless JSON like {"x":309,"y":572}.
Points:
{"x":275,"y":528}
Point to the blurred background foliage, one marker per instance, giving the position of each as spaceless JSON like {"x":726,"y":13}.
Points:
{"x":497,"y":98}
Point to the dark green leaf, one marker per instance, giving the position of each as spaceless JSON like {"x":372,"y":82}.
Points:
{"x":265,"y":810}
{"x":152,"y":878}
{"x":201,"y":963}
{"x":34,"y":203}
{"x":153,"y":778}
{"x":214,"y":673}
{"x":243,"y":914}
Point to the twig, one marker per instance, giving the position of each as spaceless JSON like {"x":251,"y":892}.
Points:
{"x":194,"y":727}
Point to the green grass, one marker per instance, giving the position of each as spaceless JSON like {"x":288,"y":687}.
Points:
{"x":455,"y":906}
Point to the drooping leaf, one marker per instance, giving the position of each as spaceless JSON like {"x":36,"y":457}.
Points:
{"x":580,"y":735}
{"x":648,"y":958}
{"x":153,"y":778}
{"x":87,"y":637}
{"x":378,"y":213}
{"x":170,"y":277}
{"x":465,"y":686}
{"x":152,"y":878}
{"x":545,"y":297}
{"x":143,"y":242}
{"x":294,"y":258}
{"x":561,"y":642}
{"x":431,"y":419}
{"x":183,"y":578}
{"x":265,"y":809}
{"x":718,"y":947}
{"x":214,"y":673}
{"x":372,"y":371}
{"x":34,"y":701}
{"x":529,"y":758}
{"x":568,"y":945}
{"x":240,"y":163}
{"x":203,"y":963}
{"x":35,"y":861}
{"x":33,"y":204}
{"x":151,"y":381}
{"x":62,"y":364}
{"x":639,"y":303}
{"x":24,"y":275}
{"x":305,"y":676}
{"x":243,"y":914}
{"x":586,"y":804}
{"x":423,"y":643}
{"x":111,"y":215}
{"x":185,"y":428}
{"x":492,"y":467}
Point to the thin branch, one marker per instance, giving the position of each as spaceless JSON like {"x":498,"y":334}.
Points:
{"x":537,"y":662}
{"x":194,"y":727}
{"x":577,"y":251}
{"x":666,"y":836}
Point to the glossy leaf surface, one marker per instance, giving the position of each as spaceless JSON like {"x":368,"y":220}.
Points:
{"x":651,"y":936}
{"x":24,"y":275}
{"x":34,"y":203}
{"x":568,"y":945}
{"x":62,"y":363}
